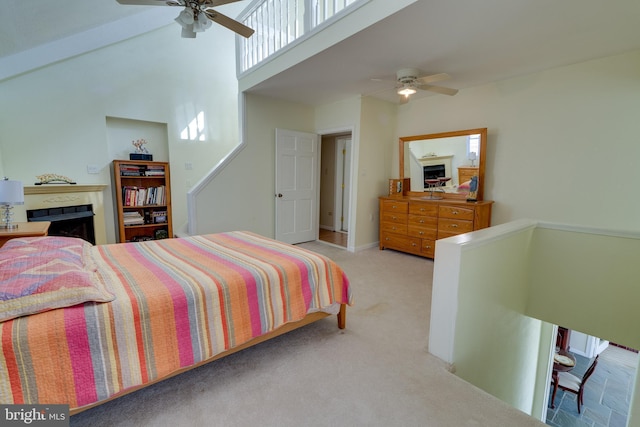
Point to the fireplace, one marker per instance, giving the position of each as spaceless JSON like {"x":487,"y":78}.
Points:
{"x":438,"y":167}
{"x":68,"y":221}
{"x":433,"y":172}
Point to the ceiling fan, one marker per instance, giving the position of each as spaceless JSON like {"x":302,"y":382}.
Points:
{"x":197,"y":15}
{"x":409,"y":82}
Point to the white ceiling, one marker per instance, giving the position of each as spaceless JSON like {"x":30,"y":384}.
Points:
{"x":474,"y":41}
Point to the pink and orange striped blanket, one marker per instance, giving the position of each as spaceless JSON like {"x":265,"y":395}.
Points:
{"x":177,"y":302}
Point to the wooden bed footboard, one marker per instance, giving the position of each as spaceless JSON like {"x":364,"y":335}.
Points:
{"x":287,"y":327}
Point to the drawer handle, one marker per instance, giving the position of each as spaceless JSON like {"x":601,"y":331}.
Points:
{"x":394,"y":206}
{"x":387,"y":239}
{"x":422,"y":209}
{"x":454,"y":212}
{"x":421,"y":233}
{"x":428,"y":247}
{"x":394,"y":217}
{"x":454,"y":225}
{"x":414,"y":245}
{"x":421,"y":221}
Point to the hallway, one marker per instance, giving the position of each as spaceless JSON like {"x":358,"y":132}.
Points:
{"x":335,"y":237}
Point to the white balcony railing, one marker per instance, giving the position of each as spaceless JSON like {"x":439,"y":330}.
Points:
{"x":280,"y":23}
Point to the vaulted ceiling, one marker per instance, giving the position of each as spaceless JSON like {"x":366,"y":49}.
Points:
{"x":475,"y":42}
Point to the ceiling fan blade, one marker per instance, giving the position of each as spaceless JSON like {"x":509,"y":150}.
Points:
{"x":439,"y":89}
{"x":146,"y":2}
{"x":231,"y":24}
{"x":433,"y":78}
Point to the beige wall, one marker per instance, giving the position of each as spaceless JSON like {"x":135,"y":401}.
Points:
{"x":251,"y":172}
{"x":497,"y":293}
{"x":592,"y":279}
{"x":54,"y":119}
{"x":242,"y":195}
{"x":562,"y":143}
{"x":377,"y":129}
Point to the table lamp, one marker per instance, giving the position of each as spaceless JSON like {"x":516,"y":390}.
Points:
{"x":472,"y":156}
{"x":11,"y":193}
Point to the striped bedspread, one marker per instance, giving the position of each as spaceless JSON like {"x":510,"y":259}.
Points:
{"x":178,"y":302}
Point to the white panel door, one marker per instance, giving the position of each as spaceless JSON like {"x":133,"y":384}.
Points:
{"x":296,"y":186}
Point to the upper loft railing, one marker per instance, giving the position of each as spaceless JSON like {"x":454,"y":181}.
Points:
{"x":280,"y":24}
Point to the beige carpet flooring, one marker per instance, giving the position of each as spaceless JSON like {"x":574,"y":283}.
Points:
{"x":376,"y":372}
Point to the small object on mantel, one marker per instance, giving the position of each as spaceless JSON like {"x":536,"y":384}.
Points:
{"x":53,"y":178}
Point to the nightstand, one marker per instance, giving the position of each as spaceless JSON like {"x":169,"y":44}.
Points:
{"x":25,"y":229}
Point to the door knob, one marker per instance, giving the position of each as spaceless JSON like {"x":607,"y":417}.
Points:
{"x":279,"y":194}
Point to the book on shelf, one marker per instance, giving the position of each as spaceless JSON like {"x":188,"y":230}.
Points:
{"x":154,"y":170}
{"x":131,"y":170}
{"x":142,"y":196}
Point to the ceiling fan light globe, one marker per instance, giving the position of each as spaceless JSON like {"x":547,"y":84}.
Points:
{"x":187,"y":32}
{"x":202,"y":23}
{"x":406,"y":91}
{"x":185,"y":17}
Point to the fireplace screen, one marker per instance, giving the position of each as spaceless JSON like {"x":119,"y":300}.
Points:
{"x":68,"y":221}
{"x":434,"y":172}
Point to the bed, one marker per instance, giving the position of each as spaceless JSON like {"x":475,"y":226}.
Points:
{"x":83,"y":324}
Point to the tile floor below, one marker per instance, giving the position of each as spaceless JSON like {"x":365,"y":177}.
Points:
{"x":607,"y":394}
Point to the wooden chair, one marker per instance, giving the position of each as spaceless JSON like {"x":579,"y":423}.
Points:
{"x":572,"y":384}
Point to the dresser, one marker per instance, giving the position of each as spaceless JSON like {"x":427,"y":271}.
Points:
{"x":413,"y":224}
{"x":465,"y":173}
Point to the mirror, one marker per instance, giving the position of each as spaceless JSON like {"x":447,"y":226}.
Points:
{"x":444,"y":164}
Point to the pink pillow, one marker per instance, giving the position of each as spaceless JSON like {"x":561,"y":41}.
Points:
{"x":44,"y":273}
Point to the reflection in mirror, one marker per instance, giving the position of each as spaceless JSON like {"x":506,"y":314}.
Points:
{"x":445,"y":163}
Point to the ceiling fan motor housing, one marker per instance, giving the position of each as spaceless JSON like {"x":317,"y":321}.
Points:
{"x":407,"y":75}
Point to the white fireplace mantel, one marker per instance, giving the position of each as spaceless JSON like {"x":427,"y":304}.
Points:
{"x":62,"y":188}
{"x":53,"y":195}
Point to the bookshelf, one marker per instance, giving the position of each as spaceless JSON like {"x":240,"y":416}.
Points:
{"x":142,"y":191}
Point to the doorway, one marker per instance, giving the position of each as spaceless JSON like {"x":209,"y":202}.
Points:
{"x":335,"y":188}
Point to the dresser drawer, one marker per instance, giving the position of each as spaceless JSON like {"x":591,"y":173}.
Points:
{"x":456,"y":212}
{"x":400,"y":218}
{"x":393,"y":227}
{"x":421,"y":208}
{"x":423,"y":221}
{"x":451,"y":227}
{"x":423,"y":233}
{"x":403,"y":243}
{"x":394,"y":206}
{"x":428,"y":247}
{"x":465,"y":174}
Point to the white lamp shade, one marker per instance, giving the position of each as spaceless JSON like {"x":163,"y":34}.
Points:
{"x":185,"y":17}
{"x":202,"y":23}
{"x":187,"y":32}
{"x":472,"y":155}
{"x":11,"y":192}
